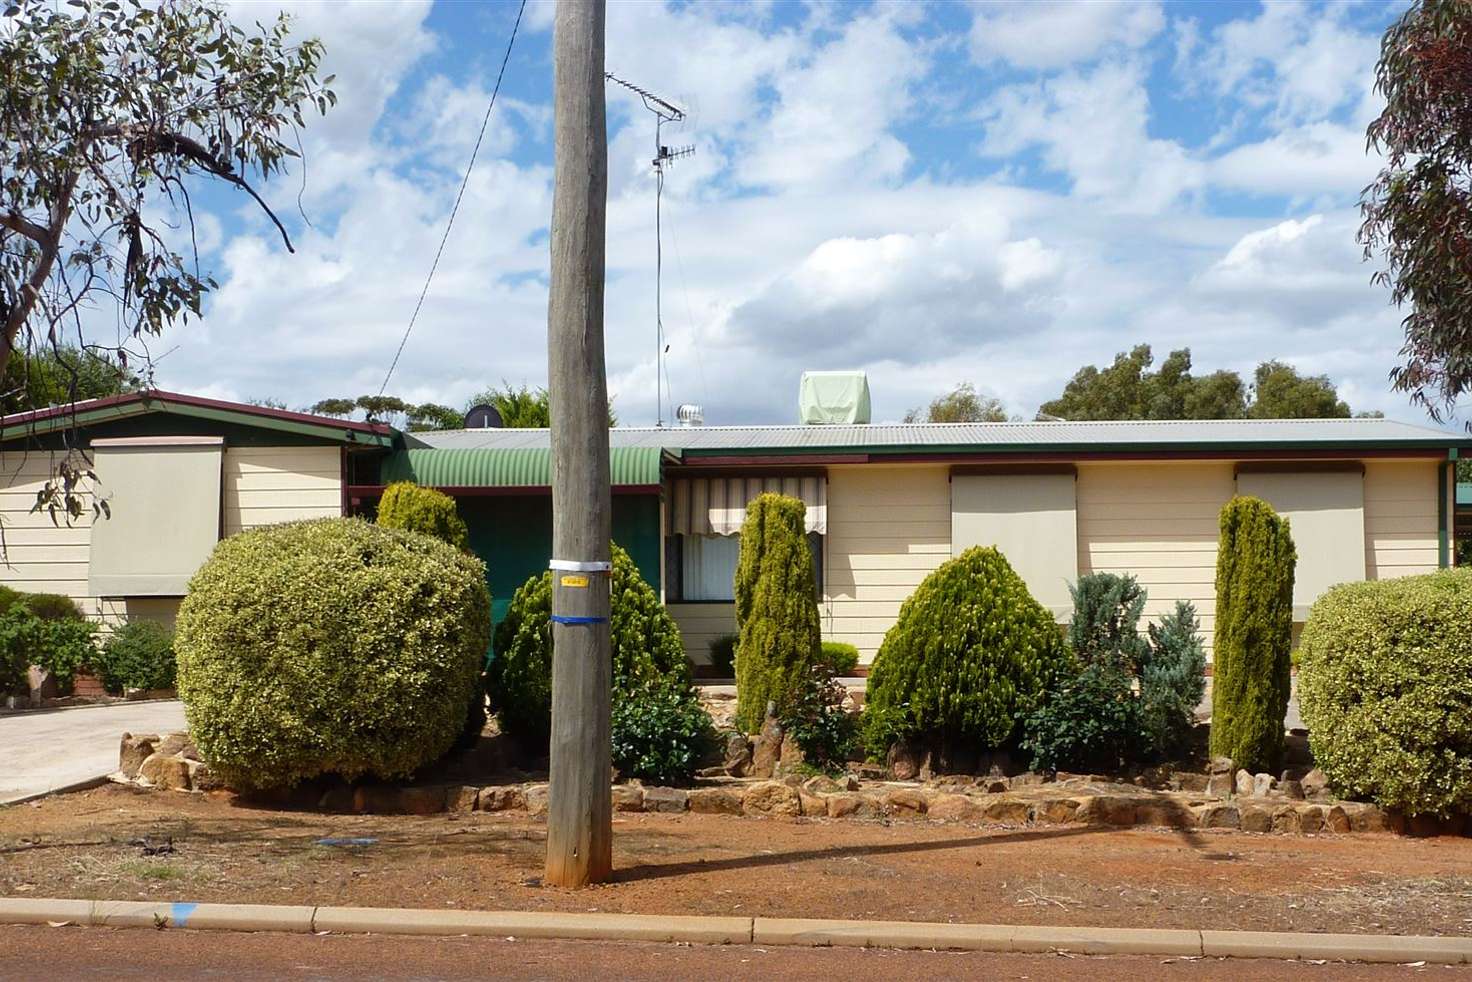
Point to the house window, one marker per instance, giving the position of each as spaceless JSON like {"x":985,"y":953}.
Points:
{"x":702,"y":568}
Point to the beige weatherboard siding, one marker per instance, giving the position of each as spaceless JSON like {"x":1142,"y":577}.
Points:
{"x":1401,"y":530}
{"x":269,"y":485}
{"x":41,"y":557}
{"x":1031,"y":519}
{"x":889,"y":526}
{"x":1326,"y":515}
{"x":700,"y":624}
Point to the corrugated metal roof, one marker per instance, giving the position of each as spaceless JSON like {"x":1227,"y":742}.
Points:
{"x":989,"y":437}
{"x":508,"y":467}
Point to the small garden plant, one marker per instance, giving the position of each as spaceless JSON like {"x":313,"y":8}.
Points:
{"x":406,"y":505}
{"x":46,"y":630}
{"x":970,"y":656}
{"x":776,"y":609}
{"x":329,"y":647}
{"x":1384,"y":687}
{"x":138,"y":655}
{"x":1251,"y":668}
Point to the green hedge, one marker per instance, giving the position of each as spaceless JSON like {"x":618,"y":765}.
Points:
{"x":776,"y":608}
{"x":406,"y":505}
{"x":839,"y":658}
{"x":1251,"y":670}
{"x":645,"y":640}
{"x":138,"y":655}
{"x":1383,"y":683}
{"x":971,"y":654}
{"x":329,"y":647}
{"x":61,"y":646}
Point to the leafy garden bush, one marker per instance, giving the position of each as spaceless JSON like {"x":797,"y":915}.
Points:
{"x":1133,"y":698}
{"x":1251,"y":669}
{"x":138,"y":655}
{"x":839,"y":658}
{"x":723,"y":655}
{"x":645,"y":641}
{"x":52,"y":606}
{"x":1383,"y":687}
{"x":825,"y":732}
{"x":660,"y":731}
{"x":776,"y":608}
{"x":329,"y":647}
{"x":60,"y":646}
{"x":406,"y":505}
{"x":971,"y":654}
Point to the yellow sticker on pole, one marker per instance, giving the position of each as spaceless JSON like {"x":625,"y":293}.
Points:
{"x":575,"y":581}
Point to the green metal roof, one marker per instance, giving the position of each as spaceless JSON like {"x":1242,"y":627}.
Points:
{"x":495,"y":467}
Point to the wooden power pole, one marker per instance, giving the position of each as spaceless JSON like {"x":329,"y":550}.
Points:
{"x":579,"y":810}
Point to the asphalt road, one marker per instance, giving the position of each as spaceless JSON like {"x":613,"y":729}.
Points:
{"x":32,"y":953}
{"x":54,"y":748}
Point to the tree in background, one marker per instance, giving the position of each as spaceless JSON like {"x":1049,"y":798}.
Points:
{"x":1417,"y":215}
{"x":1128,"y":389}
{"x":55,"y":376}
{"x":109,"y":113}
{"x":776,"y":609}
{"x":1254,"y":630}
{"x":522,"y":407}
{"x":391,"y":409}
{"x":963,"y":404}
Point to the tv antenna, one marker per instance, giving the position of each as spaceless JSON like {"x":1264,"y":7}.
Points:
{"x":664,"y":112}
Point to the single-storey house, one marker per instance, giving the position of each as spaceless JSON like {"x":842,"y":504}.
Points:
{"x":886,"y":504}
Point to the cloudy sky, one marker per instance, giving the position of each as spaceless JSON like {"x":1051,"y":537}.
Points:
{"x":933,"y":193}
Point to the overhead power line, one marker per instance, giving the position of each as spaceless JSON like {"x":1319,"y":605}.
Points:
{"x":458,"y":196}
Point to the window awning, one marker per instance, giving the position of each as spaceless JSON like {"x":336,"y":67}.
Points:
{"x":524,"y":467}
{"x":717,"y":505}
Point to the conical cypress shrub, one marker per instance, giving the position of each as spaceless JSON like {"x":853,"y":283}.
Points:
{"x":776,"y":608}
{"x":406,"y":505}
{"x":1251,"y":675}
{"x":970,"y":655}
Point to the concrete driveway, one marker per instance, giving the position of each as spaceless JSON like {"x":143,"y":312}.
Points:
{"x":50,"y":749}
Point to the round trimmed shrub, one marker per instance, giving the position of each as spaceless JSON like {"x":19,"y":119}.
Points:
{"x":329,"y":647}
{"x":660,"y":731}
{"x":970,"y":655}
{"x":138,"y":655}
{"x":406,"y":505}
{"x":1383,"y":686}
{"x":645,"y":641}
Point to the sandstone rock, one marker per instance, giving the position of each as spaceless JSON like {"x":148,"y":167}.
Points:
{"x":41,"y":684}
{"x":865,"y":771}
{"x":1220,"y":785}
{"x":630,"y":798}
{"x":421,"y":801}
{"x":535,"y":796}
{"x":849,"y":805}
{"x":1263,"y":785}
{"x":904,"y":801}
{"x":904,"y":760}
{"x":767,"y":751}
{"x":1256,"y":818}
{"x":178,"y":745}
{"x":738,"y":755}
{"x":822,"y":784}
{"x":955,"y":808}
{"x":1245,"y":784}
{"x":995,"y":785}
{"x":1287,"y":819}
{"x":337,"y":800}
{"x":461,"y":798}
{"x":1310,"y":818}
{"x":849,"y":782}
{"x":503,"y":798}
{"x":1216,"y":816}
{"x":1107,"y":810}
{"x":1027,"y":779}
{"x":134,"y":750}
{"x":1008,"y":811}
{"x":812,"y":805}
{"x":1366,"y":817}
{"x":1055,"y":811}
{"x":1221,"y":765}
{"x":791,"y":754}
{"x":771,"y":798}
{"x":1314,"y":782}
{"x":666,"y":800}
{"x":1291,"y":789}
{"x":1188,"y":781}
{"x":164,"y":771}
{"x":1335,"y":820}
{"x":1164,"y":812}
{"x":201,"y":778}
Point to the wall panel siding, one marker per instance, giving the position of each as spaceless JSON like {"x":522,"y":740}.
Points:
{"x":1158,"y":522}
{"x":888,"y":528}
{"x":700,"y":624}
{"x":1401,"y":533}
{"x":259,"y":485}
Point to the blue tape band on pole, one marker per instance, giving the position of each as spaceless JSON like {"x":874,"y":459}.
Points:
{"x":566,"y":619}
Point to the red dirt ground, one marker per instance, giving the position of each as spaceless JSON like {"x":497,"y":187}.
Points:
{"x":84,"y":845}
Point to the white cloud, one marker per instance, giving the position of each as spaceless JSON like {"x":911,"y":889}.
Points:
{"x":1049,"y":34}
{"x":1316,"y":158}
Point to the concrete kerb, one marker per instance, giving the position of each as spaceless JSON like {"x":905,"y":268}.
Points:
{"x":737,"y":930}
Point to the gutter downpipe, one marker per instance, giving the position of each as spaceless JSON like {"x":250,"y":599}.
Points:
{"x":1443,"y":526}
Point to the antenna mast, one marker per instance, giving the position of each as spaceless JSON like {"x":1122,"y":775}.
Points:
{"x":663,"y":112}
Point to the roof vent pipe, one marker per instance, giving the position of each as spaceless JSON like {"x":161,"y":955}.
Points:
{"x":689,"y":414}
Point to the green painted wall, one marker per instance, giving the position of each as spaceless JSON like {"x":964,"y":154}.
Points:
{"x":513,"y":535}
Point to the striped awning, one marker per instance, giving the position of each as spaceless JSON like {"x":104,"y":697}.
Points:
{"x":717,"y":505}
{"x":530,"y":467}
